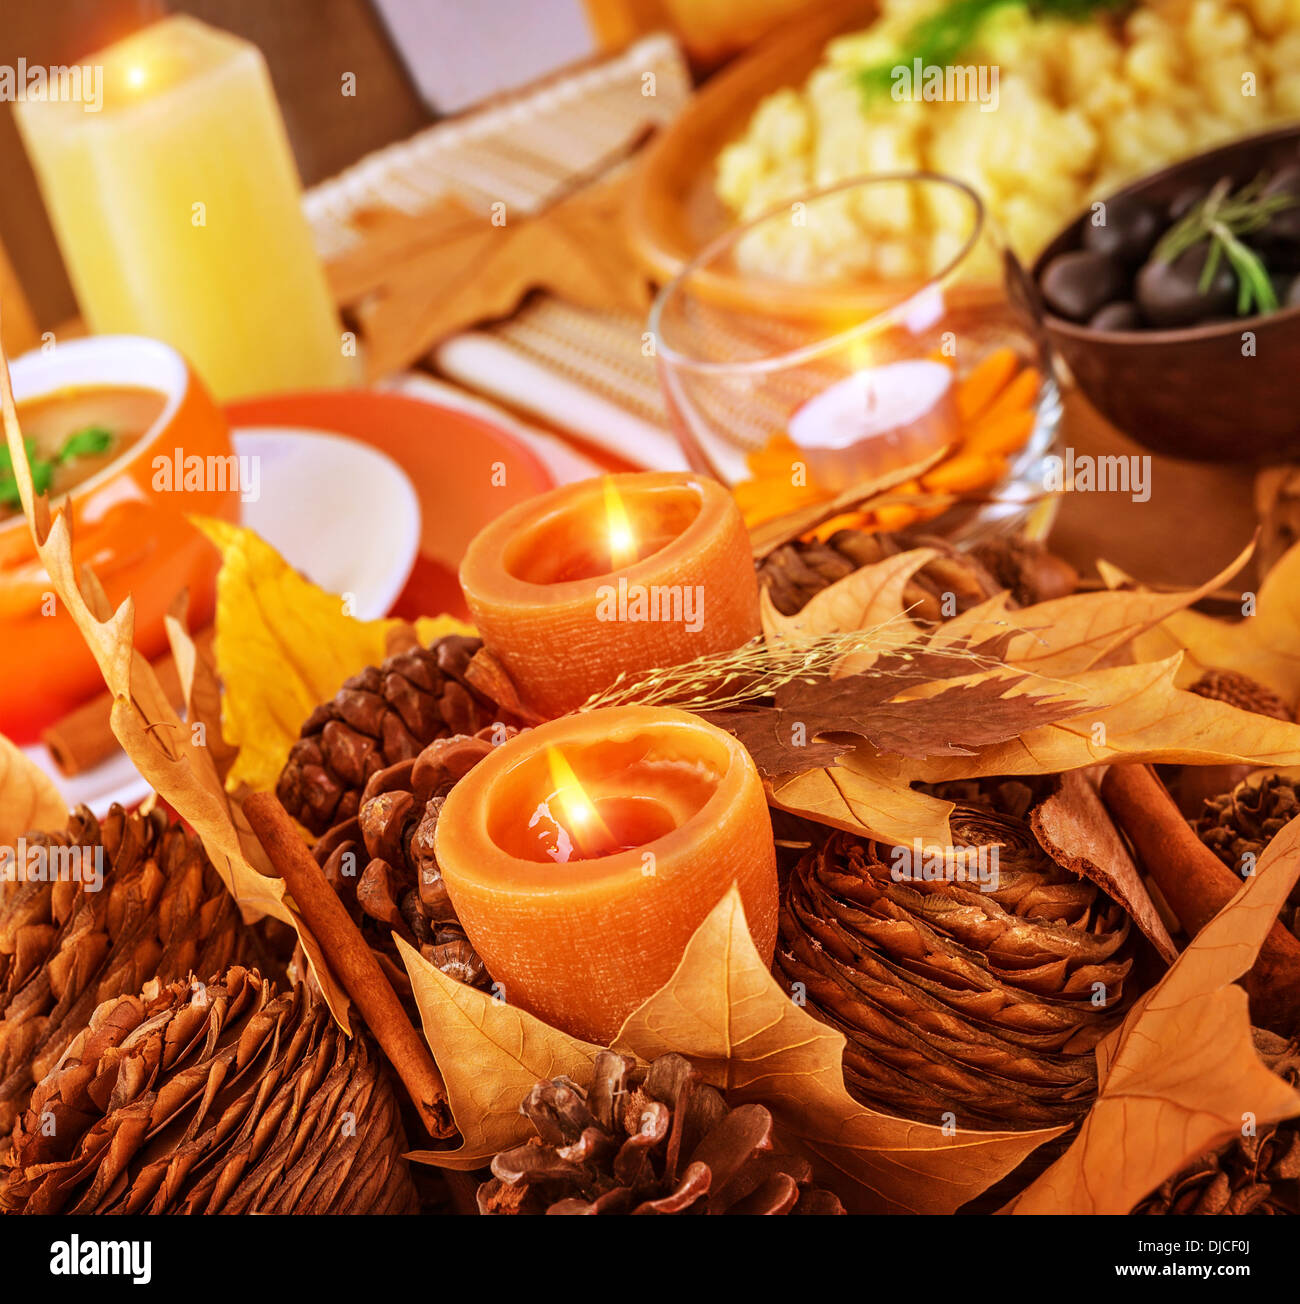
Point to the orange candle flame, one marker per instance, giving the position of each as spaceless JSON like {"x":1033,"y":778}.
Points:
{"x":589,"y":833}
{"x":622,"y":538}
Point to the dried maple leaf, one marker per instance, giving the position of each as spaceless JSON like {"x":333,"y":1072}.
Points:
{"x":1132,"y":713}
{"x":28,"y":798}
{"x":1265,"y":646}
{"x":725,"y":1012}
{"x":957,"y":720}
{"x":421,"y":278}
{"x":283,"y":646}
{"x":1181,"y":1075}
{"x":490,"y":1055}
{"x":159,"y":744}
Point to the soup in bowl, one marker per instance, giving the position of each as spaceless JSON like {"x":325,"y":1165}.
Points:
{"x":122,"y":433}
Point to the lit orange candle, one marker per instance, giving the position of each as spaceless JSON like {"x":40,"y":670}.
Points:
{"x":625,"y":573}
{"x":583,"y":854}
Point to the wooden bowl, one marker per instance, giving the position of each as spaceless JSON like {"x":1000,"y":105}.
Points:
{"x":1196,"y":392}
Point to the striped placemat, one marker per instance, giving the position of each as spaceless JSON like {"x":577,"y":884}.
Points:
{"x":576,"y":369}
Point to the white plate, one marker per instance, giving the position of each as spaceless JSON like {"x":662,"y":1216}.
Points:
{"x":344,"y":514}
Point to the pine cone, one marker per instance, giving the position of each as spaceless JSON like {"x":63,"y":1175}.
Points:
{"x":1244,"y":821}
{"x":381,"y":863}
{"x":1254,"y":1174}
{"x":1243,"y":692}
{"x":160,"y":911}
{"x":655,"y":1141}
{"x":383,"y":715}
{"x":952,"y":998}
{"x":797,"y":572}
{"x":220,"y":1098}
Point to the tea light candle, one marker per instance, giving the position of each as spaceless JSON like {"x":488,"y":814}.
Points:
{"x":875,"y":421}
{"x":582,"y":855}
{"x":625,"y":573}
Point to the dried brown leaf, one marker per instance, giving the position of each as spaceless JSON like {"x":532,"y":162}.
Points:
{"x":28,"y":798}
{"x":1181,"y":1073}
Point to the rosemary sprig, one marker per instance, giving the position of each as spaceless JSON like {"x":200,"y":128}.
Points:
{"x":1223,"y":218}
{"x":940,"y":37}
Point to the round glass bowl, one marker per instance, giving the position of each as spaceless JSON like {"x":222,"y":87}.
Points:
{"x":800,"y":374}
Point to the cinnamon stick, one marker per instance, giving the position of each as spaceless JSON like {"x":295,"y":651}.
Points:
{"x":351,"y":960}
{"x":84,"y":737}
{"x":1197,"y":885}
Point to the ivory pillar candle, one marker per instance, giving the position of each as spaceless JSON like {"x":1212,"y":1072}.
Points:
{"x":582,"y":855}
{"x":624,"y":573}
{"x":178,"y":212}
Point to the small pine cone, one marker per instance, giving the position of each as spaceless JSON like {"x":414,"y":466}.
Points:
{"x":382,"y":862}
{"x":160,"y":911}
{"x":1243,"y":692}
{"x":1253,"y":1174}
{"x":1241,"y":823}
{"x":1027,"y":570}
{"x":224,"y":1097}
{"x":653,"y":1141}
{"x":797,"y":572}
{"x":381,"y":716}
{"x":964,"y":997}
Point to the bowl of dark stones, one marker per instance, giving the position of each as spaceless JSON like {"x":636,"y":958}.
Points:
{"x":1175,"y":302}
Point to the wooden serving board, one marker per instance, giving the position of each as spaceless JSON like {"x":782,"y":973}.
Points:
{"x":673,"y":211}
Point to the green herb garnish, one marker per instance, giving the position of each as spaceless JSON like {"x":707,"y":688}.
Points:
{"x":87,"y":442}
{"x":1222,"y":218}
{"x":939,"y":38}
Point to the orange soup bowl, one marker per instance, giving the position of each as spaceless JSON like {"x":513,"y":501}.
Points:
{"x":128,"y":516}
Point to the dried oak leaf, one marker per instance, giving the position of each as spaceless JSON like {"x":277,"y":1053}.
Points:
{"x":1181,"y":1074}
{"x":283,"y":646}
{"x":1265,"y":646}
{"x":28,"y":798}
{"x":161,"y":747}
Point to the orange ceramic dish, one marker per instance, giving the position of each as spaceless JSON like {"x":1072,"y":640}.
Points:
{"x":129,"y":525}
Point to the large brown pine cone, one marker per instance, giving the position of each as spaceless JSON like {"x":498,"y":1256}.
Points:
{"x":161,"y":911}
{"x":224,"y":1097}
{"x":652,"y":1141}
{"x":983,"y":1003}
{"x":1253,"y":1174}
{"x":1243,"y":822}
{"x":383,"y":715}
{"x":381,"y":863}
{"x":797,"y":572}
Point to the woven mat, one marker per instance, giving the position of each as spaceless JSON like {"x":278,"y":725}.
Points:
{"x":572,"y":369}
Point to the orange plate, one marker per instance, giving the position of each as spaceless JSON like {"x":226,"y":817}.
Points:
{"x":465,"y":470}
{"x":672,"y":211}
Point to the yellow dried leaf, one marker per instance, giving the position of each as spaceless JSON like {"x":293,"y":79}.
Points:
{"x":1181,"y":1074}
{"x":283,"y":646}
{"x":490,"y":1054}
{"x":1265,"y":645}
{"x":159,"y":744}
{"x":726,"y":1013}
{"x":28,"y":798}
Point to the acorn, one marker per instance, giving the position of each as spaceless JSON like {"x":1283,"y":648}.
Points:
{"x":1122,"y":315}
